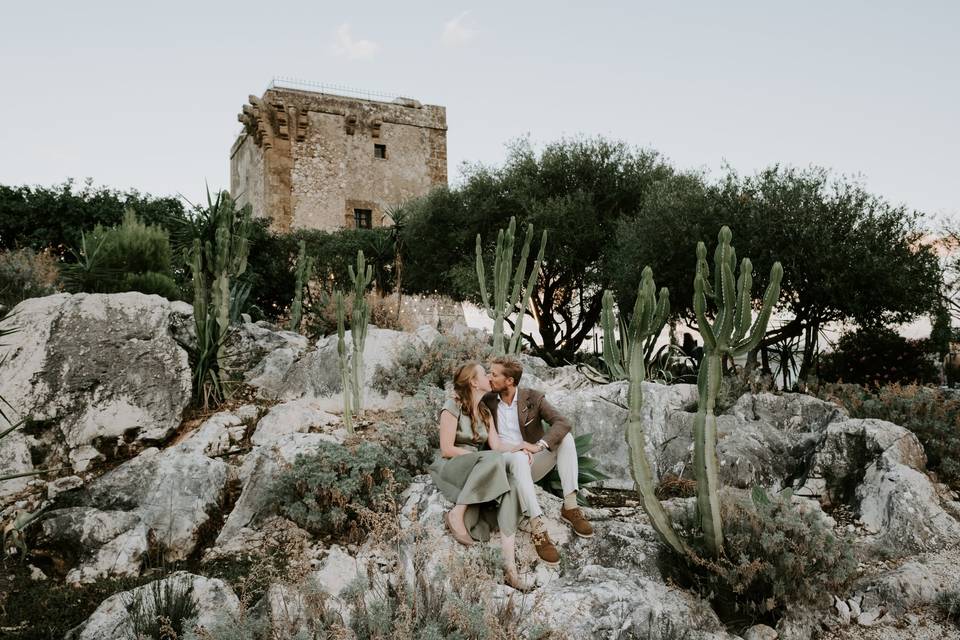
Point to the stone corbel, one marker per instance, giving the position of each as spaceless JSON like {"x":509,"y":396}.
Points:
{"x":375,"y":128}
{"x":351,"y":124}
{"x":256,"y":122}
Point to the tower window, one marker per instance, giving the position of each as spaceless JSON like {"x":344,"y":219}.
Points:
{"x":380,"y":151}
{"x":363,"y":218}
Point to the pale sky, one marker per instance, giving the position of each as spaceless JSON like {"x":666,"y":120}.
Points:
{"x":146,"y":96}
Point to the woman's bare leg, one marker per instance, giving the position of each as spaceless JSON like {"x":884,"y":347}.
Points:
{"x":456,"y":519}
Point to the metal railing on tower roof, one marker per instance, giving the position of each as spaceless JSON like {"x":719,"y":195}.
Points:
{"x":283,"y":82}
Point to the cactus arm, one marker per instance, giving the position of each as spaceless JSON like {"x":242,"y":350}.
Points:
{"x":743,"y":318}
{"x":482,"y":277}
{"x":521,"y":269}
{"x":706,"y":466}
{"x":639,"y":465}
{"x":700,"y":309}
{"x":728,"y":306}
{"x":528,"y":293}
{"x":612,"y":356}
{"x":344,"y":365}
{"x":770,"y":297}
{"x":703,"y":269}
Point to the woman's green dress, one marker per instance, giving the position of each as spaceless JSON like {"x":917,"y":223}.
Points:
{"x":478,"y":479}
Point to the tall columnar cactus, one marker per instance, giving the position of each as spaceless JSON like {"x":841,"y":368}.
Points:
{"x":648,"y":308}
{"x":733,"y":332}
{"x":503,"y":306}
{"x":304,"y":269}
{"x":345,"y":373}
{"x":361,"y":277}
{"x":650,"y":313}
{"x":215,"y":268}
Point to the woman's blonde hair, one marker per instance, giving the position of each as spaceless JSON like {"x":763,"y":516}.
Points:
{"x":462,"y":392}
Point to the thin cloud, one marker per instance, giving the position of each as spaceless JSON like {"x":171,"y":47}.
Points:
{"x":344,"y":45}
{"x":457,"y":33}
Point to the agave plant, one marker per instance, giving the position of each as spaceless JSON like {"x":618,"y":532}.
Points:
{"x":586,"y":466}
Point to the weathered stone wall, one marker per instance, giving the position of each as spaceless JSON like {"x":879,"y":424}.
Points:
{"x":307,"y":159}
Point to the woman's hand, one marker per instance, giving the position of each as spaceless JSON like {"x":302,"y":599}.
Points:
{"x":528,"y":447}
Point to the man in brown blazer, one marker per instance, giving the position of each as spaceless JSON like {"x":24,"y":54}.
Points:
{"x":518,"y":414}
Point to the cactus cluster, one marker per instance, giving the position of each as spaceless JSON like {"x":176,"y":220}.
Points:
{"x":733,"y":332}
{"x":503,"y":306}
{"x":303,"y":272}
{"x":216,"y":268}
{"x":649,"y":316}
{"x":351,"y":366}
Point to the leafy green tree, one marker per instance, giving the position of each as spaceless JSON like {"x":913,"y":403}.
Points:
{"x":575,"y":189}
{"x":847,"y":255}
{"x":39,"y":218}
{"x":130,"y":257}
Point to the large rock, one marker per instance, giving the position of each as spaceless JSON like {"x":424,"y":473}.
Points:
{"x":878,"y":468}
{"x":110,"y":621}
{"x":252,"y":342}
{"x":165,"y":500}
{"x":14,"y":458}
{"x":763,"y":439}
{"x":100,"y":369}
{"x":316,"y":374}
{"x":258,"y":473}
{"x":609,"y":585}
{"x":109,"y":543}
{"x":219,"y":433}
{"x":296,"y":416}
{"x":602,"y":411}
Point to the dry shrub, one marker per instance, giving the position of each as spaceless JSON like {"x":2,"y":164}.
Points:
{"x":321,"y":319}
{"x":25,"y":274}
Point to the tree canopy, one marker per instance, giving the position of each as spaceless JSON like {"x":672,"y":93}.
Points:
{"x":577,"y":190}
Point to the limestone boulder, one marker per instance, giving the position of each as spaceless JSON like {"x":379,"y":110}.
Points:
{"x":259,"y":472}
{"x":610,"y":586}
{"x":14,"y":458}
{"x":763,"y":439}
{"x":161,"y":499}
{"x":316,"y":373}
{"x":253,"y":341}
{"x":295,"y":416}
{"x":879,"y":468}
{"x":98,"y":369}
{"x":602,"y":411}
{"x":109,"y":543}
{"x":213,"y":597}
{"x":219,"y":433}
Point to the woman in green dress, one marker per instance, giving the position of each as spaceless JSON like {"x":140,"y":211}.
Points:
{"x":475,"y":480}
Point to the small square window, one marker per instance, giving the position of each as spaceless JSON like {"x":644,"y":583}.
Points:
{"x":363,"y":218}
{"x":380,"y":151}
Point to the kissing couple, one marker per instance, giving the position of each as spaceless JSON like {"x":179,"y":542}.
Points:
{"x":493,"y":448}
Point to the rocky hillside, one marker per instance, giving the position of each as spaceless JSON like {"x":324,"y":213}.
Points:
{"x":145,"y":492}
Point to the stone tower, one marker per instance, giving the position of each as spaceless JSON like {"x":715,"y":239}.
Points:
{"x":319,"y":160}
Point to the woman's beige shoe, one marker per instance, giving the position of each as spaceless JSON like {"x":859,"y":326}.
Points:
{"x":463,"y":539}
{"x":512,"y":579}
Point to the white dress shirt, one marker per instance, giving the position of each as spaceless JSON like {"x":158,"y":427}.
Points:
{"x":508,"y":421}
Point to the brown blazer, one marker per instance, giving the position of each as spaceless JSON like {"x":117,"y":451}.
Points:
{"x":532,"y":409}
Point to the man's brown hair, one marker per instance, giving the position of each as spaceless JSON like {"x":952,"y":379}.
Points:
{"x":511,"y":368}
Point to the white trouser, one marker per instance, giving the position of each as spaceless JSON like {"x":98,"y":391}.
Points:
{"x":563,"y":457}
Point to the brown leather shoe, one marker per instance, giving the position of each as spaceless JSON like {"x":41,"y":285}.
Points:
{"x":545,"y":549}
{"x":574,"y":517}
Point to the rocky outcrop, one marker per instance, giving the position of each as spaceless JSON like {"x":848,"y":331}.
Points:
{"x":94,"y":371}
{"x":879,"y":468}
{"x":316,"y":374}
{"x":111,"y":620}
{"x":258,"y":473}
{"x":162,"y":501}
